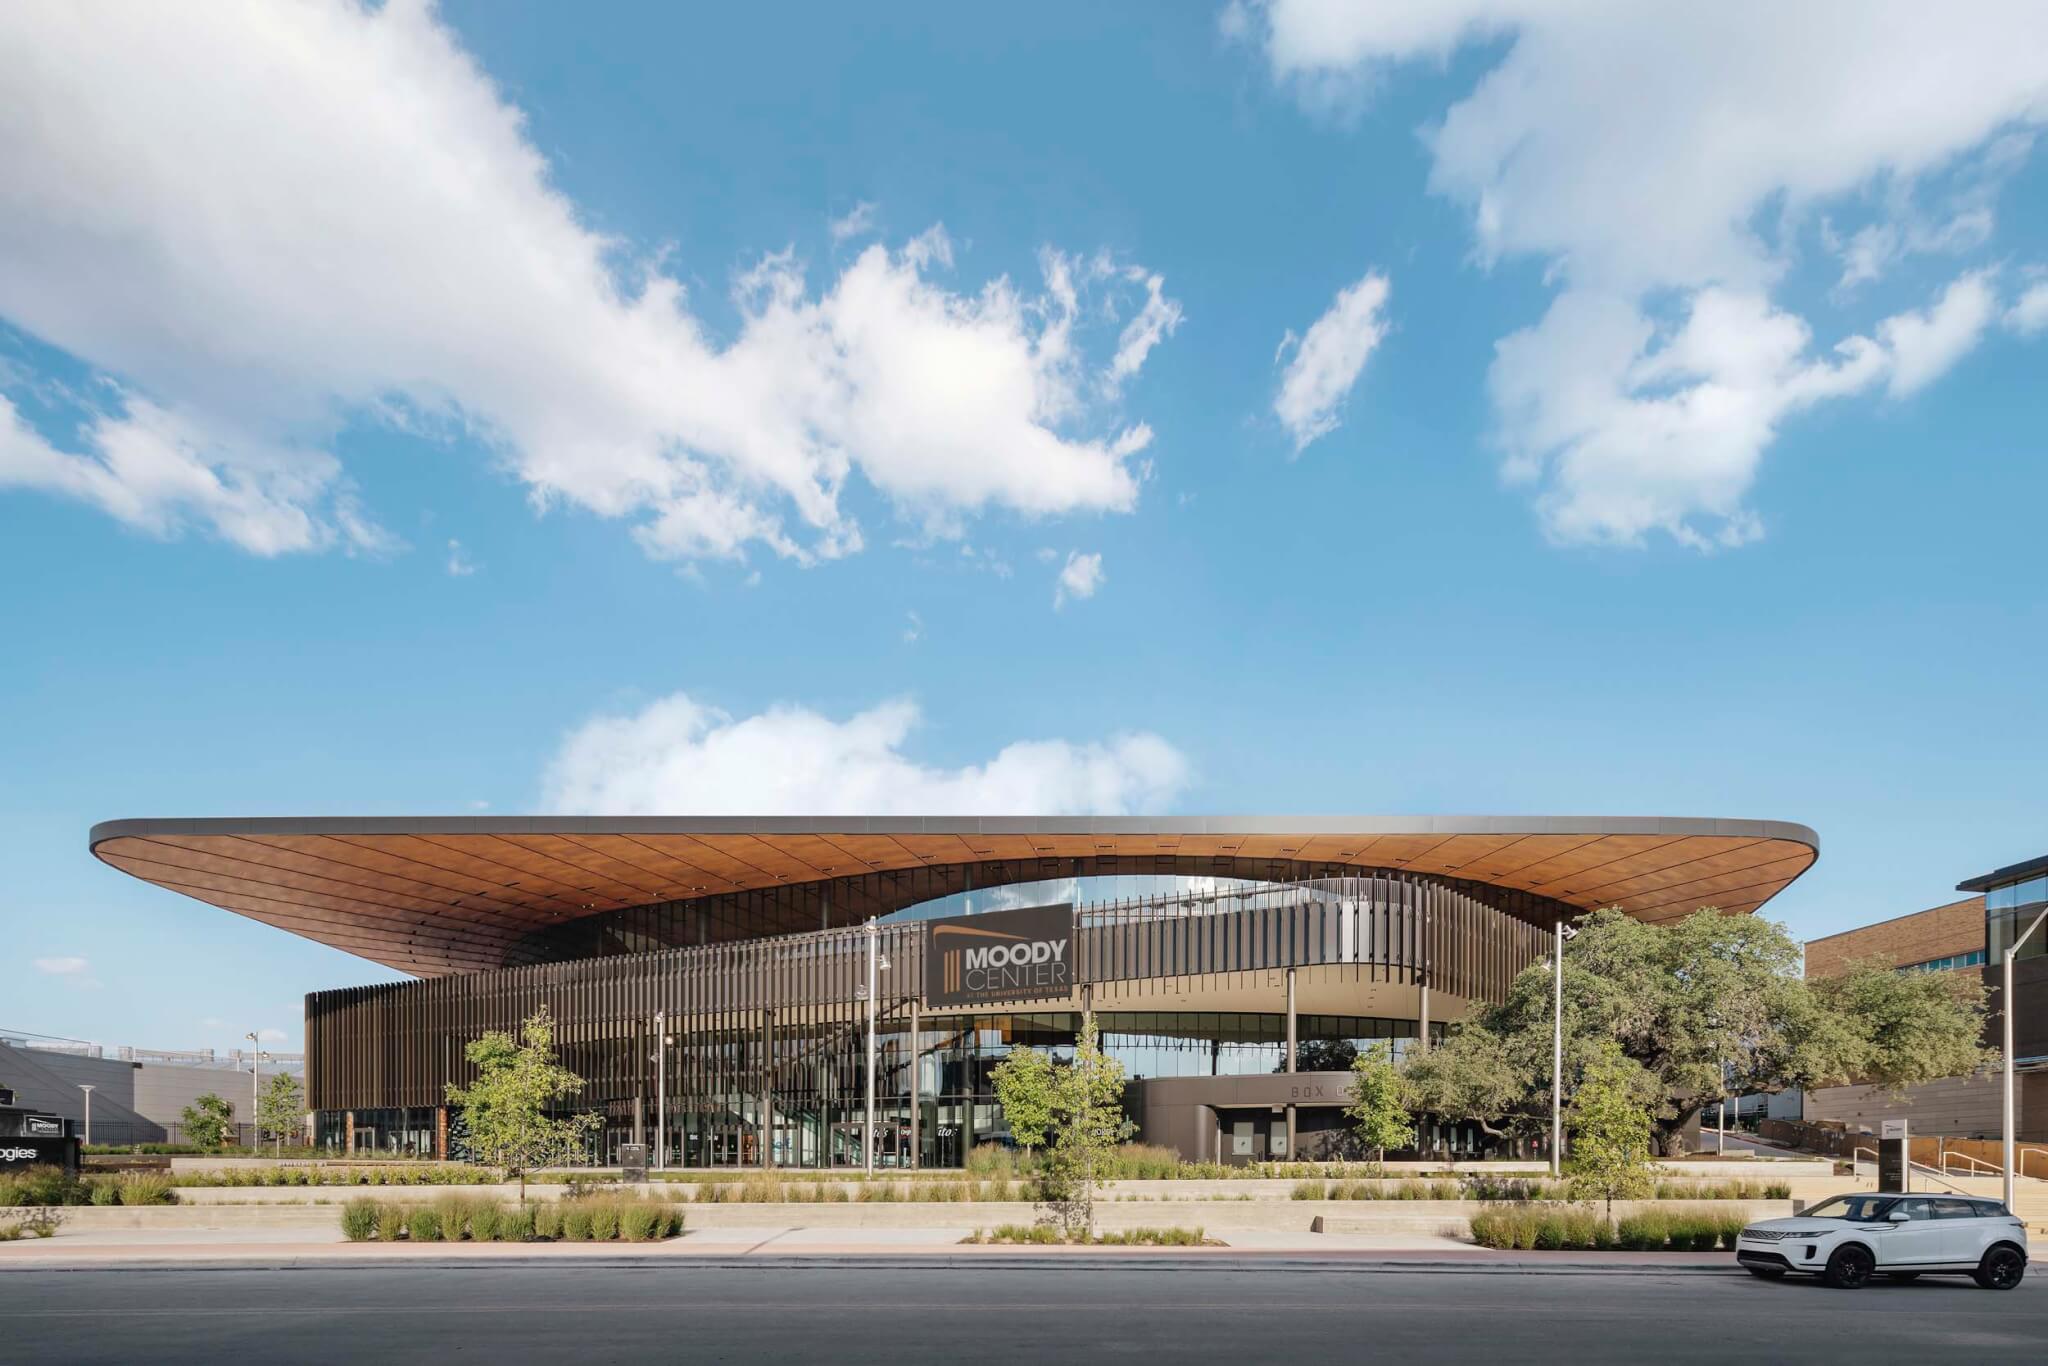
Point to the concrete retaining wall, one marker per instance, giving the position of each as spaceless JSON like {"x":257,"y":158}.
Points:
{"x":1451,"y":1217}
{"x":1809,"y":1181}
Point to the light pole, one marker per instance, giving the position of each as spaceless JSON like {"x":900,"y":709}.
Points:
{"x":255,"y":1059}
{"x":660,"y":1089}
{"x":2005,"y":1011}
{"x":88,"y":1112}
{"x":1557,"y":1046}
{"x":867,"y":1145}
{"x":1721,"y":1116}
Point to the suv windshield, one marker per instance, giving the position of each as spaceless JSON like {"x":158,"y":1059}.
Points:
{"x":1858,"y":1209}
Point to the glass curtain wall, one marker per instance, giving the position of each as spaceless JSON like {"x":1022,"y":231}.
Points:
{"x":718,"y":1110}
{"x":2010,"y":909}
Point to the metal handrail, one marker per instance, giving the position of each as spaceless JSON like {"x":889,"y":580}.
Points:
{"x":1927,"y":1172}
{"x":1939,"y":1179}
{"x":1948,"y":1157}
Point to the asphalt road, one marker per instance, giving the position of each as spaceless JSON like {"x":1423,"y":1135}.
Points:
{"x":900,"y":1310}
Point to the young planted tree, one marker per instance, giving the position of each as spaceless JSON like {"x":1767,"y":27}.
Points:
{"x":1088,"y":1124}
{"x":1610,"y":1129}
{"x":1026,"y":1086}
{"x":1378,"y":1110}
{"x":281,"y":1109}
{"x":209,"y":1121}
{"x":508,"y":1109}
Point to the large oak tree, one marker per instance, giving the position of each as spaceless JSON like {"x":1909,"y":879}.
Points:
{"x":1684,"y":1002}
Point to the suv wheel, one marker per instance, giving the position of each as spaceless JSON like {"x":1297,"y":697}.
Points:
{"x":1850,"y":1268}
{"x":2002,"y":1268}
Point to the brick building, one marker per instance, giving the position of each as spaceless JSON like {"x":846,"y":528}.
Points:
{"x":1947,"y":937}
{"x":1953,"y":937}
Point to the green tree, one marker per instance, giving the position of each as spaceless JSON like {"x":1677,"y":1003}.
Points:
{"x":1378,"y":1109}
{"x":209,"y":1121}
{"x":1473,"y":1076}
{"x":1685,"y":1001}
{"x":1026,"y":1086}
{"x":508,"y":1108}
{"x":1911,"y":1027}
{"x":281,"y":1109}
{"x":1322,"y":1055}
{"x":1088,"y":1124}
{"x":1610,"y":1128}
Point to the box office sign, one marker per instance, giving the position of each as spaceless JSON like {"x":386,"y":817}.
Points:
{"x":1021,"y":955}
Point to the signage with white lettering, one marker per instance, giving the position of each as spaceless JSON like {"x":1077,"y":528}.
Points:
{"x":1020,"y":955}
{"x":16,"y":1153}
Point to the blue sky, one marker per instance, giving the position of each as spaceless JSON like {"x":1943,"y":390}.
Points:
{"x":1473,"y":408}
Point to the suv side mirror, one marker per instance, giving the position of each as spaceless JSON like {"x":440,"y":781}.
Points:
{"x":1899,"y":1216}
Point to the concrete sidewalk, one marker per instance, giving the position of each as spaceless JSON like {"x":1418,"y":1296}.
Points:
{"x":300,"y":1247}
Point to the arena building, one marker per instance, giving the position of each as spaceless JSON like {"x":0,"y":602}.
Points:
{"x":710,"y":977}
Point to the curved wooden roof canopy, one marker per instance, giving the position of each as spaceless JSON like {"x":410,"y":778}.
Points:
{"x":441,"y":895}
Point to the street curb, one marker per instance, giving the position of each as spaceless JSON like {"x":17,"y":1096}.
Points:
{"x":1222,"y":1259}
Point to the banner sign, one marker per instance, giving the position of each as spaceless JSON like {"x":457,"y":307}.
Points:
{"x":1020,"y":955}
{"x":16,"y":1153}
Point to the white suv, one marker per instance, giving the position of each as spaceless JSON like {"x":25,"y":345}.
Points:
{"x":1848,"y":1239}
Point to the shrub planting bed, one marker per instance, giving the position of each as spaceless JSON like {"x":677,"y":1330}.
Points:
{"x":50,"y":1185}
{"x":468,"y":1218}
{"x":1045,"y":1235}
{"x":1517,"y":1190}
{"x":1530,"y":1228}
{"x":325,"y":1175}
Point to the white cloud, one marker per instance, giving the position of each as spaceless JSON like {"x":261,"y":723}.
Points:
{"x":1079,"y":577}
{"x":913,"y":631}
{"x":73,"y":971}
{"x":1923,"y":345}
{"x":271,"y":1036}
{"x":155,"y":470}
{"x":2030,"y":313}
{"x":858,"y":221}
{"x":1631,"y":433}
{"x":1656,"y":155}
{"x":459,"y":563}
{"x":1329,"y":359}
{"x":268,"y":220}
{"x":679,"y":757}
{"x":1157,"y":320}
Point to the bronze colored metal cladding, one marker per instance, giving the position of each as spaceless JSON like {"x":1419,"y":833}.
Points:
{"x":435,"y":896}
{"x":1023,"y":954}
{"x":759,"y":1018}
